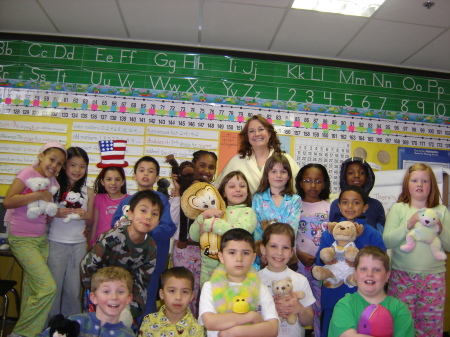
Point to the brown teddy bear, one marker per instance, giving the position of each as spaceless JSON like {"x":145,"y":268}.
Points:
{"x":284,"y":288}
{"x":334,"y":275}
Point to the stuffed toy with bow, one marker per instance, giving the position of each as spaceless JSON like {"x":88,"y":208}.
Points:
{"x":426,"y":231}
{"x":195,"y":200}
{"x":72,"y":200}
{"x":38,"y":207}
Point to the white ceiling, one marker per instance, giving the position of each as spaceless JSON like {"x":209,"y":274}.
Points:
{"x":401,"y":33}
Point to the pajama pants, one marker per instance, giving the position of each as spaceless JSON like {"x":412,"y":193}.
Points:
{"x":316,"y":290}
{"x":64,"y":263}
{"x":189,"y":258}
{"x":38,"y":287}
{"x":424,"y":295}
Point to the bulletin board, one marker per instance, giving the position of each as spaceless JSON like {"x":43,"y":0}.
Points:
{"x":165,"y":102}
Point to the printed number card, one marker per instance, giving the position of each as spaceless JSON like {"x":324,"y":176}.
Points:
{"x":326,"y":152}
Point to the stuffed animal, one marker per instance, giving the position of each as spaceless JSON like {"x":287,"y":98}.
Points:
{"x":240,"y":305}
{"x":126,"y":318}
{"x":163,"y":186}
{"x":38,"y":207}
{"x":376,"y":321}
{"x":124,"y":218}
{"x":72,"y":200}
{"x":184,"y":171}
{"x":426,"y":231}
{"x":63,"y":327}
{"x":196,"y":199}
{"x":284,"y":288}
{"x":333,"y":275}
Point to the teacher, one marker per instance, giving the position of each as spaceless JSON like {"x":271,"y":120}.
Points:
{"x":258,"y":141}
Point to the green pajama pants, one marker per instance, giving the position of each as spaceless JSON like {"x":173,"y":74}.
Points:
{"x":38,"y":287}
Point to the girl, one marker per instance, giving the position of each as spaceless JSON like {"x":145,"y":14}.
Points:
{"x":110,"y":188}
{"x":278,"y":246}
{"x":28,"y":240}
{"x":186,"y":253}
{"x":313,"y":186}
{"x":417,"y":278}
{"x":236,"y":193}
{"x":66,"y":239}
{"x":274,"y":200}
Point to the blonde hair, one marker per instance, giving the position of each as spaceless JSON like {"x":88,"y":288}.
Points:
{"x":434,"y":196}
{"x":111,"y":273}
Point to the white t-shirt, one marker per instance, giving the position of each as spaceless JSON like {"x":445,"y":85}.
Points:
{"x":266,"y":304}
{"x":299,"y":282}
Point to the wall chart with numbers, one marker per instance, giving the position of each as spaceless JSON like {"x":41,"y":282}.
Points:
{"x":165,"y":102}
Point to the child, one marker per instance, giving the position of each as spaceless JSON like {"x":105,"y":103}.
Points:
{"x":239,"y":214}
{"x":418,"y":279}
{"x":66,"y":239}
{"x":372,"y":270}
{"x":146,"y":172}
{"x":278,"y":247}
{"x":129,"y":247}
{"x":186,"y":252}
{"x":111,"y":293}
{"x":28,"y":240}
{"x":313,"y":186}
{"x":352,"y":204}
{"x":274,"y":199}
{"x":174,"y":318}
{"x":357,"y":172}
{"x":110,"y":189}
{"x":236,"y":277}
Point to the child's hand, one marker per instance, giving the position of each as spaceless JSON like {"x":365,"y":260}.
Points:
{"x":254,"y":317}
{"x":286,"y":305}
{"x":212,"y":213}
{"x":62,"y":212}
{"x":45,"y":195}
{"x":305,"y":258}
{"x":412,"y":221}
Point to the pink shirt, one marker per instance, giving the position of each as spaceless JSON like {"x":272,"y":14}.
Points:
{"x":106,"y":208}
{"x":20,"y":225}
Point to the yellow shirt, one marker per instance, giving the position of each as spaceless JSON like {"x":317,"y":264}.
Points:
{"x":157,"y":324}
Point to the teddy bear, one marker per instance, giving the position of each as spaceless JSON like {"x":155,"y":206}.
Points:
{"x":63,"y":327}
{"x":72,"y":200}
{"x":334,"y":275}
{"x":426,"y":231}
{"x":197,"y":198}
{"x":283,"y":288}
{"x":123,"y":220}
{"x":38,"y":207}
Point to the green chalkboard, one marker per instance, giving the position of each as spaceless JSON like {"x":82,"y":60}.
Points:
{"x":242,"y":80}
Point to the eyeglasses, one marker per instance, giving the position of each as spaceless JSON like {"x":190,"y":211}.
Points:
{"x":309,"y":181}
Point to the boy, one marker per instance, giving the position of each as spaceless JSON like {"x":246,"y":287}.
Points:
{"x":111,"y":292}
{"x":234,"y":280}
{"x":352,"y":204}
{"x":146,"y":173}
{"x":174,"y":318}
{"x":129,"y":247}
{"x":356,"y":171}
{"x":372,"y":271}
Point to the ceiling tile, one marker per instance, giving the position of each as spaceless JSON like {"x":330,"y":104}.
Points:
{"x":270,"y":3}
{"x":435,"y":56}
{"x":86,"y":17}
{"x":24,"y":16}
{"x":313,"y":33}
{"x":388,"y":42}
{"x":168,"y":21}
{"x":239,"y":26}
{"x":414,"y":12}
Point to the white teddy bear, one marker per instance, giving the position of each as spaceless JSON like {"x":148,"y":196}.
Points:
{"x":72,"y":200}
{"x":38,"y":207}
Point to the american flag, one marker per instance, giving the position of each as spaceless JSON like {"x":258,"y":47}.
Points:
{"x":112,"y":151}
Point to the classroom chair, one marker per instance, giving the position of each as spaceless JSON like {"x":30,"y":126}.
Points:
{"x":5,"y":287}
